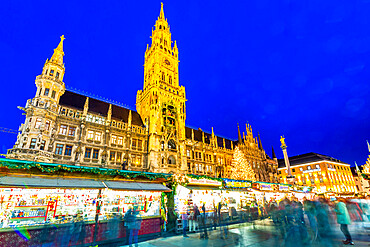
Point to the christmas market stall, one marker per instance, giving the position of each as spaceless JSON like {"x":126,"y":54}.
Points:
{"x":41,"y":202}
{"x":197,"y":191}
{"x":239,"y":199}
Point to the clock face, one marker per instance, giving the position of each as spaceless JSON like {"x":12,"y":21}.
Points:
{"x":167,"y":62}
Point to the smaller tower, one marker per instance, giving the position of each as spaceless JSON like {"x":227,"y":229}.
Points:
{"x":283,"y":146}
{"x":41,"y":112}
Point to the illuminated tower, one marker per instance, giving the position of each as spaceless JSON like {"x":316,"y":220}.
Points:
{"x":34,"y":142}
{"x":161,"y":103}
{"x":283,"y":146}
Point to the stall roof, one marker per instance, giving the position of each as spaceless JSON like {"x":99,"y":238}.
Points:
{"x":40,"y":182}
{"x":135,"y":186}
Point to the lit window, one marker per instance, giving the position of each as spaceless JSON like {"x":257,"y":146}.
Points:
{"x":38,"y":123}
{"x":46,"y":92}
{"x":68,"y":150}
{"x":133,"y":144}
{"x":71,"y":131}
{"x":120,"y":140}
{"x":188,"y":153}
{"x":139,"y":145}
{"x":98,"y":136}
{"x":63,"y":129}
{"x":112,"y":155}
{"x":318,"y":166}
{"x":96,"y":154}
{"x":42,"y":145}
{"x":47,"y":124}
{"x":118,"y":157}
{"x":113,"y":139}
{"x":53,"y":94}
{"x":59,"y":149}
{"x":87,"y":152}
{"x":308,"y":167}
{"x":33,"y":143}
{"x":301,"y":169}
{"x":90,"y":135}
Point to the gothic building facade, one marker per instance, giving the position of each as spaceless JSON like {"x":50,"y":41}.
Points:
{"x":66,"y":127}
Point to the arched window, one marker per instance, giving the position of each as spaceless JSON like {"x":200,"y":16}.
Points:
{"x":171,"y":160}
{"x":171,"y":144}
{"x":163,"y":78}
{"x":162,"y":145}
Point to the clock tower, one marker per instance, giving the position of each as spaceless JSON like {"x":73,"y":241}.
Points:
{"x":161,"y":103}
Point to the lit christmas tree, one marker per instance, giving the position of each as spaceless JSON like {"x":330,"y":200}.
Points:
{"x":240,"y":167}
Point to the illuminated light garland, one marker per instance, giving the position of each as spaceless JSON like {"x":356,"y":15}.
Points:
{"x":240,"y":167}
{"x":52,"y":168}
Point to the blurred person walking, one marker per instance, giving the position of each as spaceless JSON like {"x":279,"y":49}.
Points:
{"x":185,"y":219}
{"x":133,"y":222}
{"x":204,"y":221}
{"x":344,"y":220}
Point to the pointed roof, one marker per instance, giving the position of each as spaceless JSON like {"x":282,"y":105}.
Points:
{"x":368,"y":145}
{"x":239,"y":136}
{"x":161,"y":14}
{"x":58,"y":53}
{"x":259,"y":142}
{"x":273,"y":153}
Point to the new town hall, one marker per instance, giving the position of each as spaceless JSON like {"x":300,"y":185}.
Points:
{"x":65,"y":127}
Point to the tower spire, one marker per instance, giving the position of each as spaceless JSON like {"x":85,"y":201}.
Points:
{"x":239,"y":136}
{"x":58,"y":53}
{"x":161,"y":14}
{"x":273,"y":153}
{"x":259,"y":142}
{"x":357,"y":169}
{"x":368,"y":145}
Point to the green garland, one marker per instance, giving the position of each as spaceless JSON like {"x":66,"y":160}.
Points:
{"x":365,"y":176}
{"x":204,"y":176}
{"x":52,"y":168}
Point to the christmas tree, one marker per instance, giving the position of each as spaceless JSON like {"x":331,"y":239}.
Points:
{"x":241,"y":169}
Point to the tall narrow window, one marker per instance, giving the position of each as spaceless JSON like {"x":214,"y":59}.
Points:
{"x":38,"y":123}
{"x":139,"y":145}
{"x":63,"y":129}
{"x":120,"y":140}
{"x":96,"y":154}
{"x":51,"y":72}
{"x":57,"y":75}
{"x":112,"y":156}
{"x":113,"y":139}
{"x":33,"y":143}
{"x":98,"y":136}
{"x":90,"y":135}
{"x":53,"y":94}
{"x":118,"y":157}
{"x":42,"y":145}
{"x":47,"y":124}
{"x":71,"y":131}
{"x":87,"y":152}
{"x":59,"y":149}
{"x":68,"y":150}
{"x":46,"y":92}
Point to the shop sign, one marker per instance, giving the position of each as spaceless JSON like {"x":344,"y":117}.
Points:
{"x":283,"y":187}
{"x":264,"y":186}
{"x":237,"y":184}
{"x":204,"y":181}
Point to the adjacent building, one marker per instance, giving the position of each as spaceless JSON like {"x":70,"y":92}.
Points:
{"x":67,"y":127}
{"x":322,"y":172}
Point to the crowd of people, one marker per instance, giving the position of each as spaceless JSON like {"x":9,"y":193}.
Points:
{"x":302,"y":223}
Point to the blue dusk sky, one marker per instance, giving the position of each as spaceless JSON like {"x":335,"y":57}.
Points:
{"x":294,"y":68}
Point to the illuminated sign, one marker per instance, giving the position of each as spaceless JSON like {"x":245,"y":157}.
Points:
{"x":283,"y":187}
{"x":204,"y":181}
{"x":237,"y":184}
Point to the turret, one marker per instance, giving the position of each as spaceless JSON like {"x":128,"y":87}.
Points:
{"x":50,"y":85}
